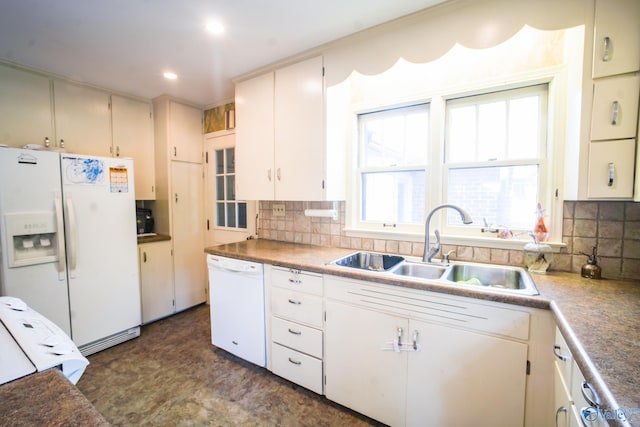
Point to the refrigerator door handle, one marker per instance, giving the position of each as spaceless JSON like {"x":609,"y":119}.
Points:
{"x":62,"y":259}
{"x":72,"y":241}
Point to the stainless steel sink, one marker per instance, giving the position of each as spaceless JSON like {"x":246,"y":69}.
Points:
{"x":422,"y":271}
{"x":369,"y":261}
{"x":496,"y":277}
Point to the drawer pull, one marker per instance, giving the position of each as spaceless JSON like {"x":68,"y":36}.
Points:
{"x":592,"y":398}
{"x":294,"y":332}
{"x":615,"y":111}
{"x":560,"y":410}
{"x":400,"y":332}
{"x":415,"y":340}
{"x":556,"y":353}
{"x":296,"y":281}
{"x":607,"y":48}
{"x":295,"y":362}
{"x":612,"y":174}
{"x":294,"y":302}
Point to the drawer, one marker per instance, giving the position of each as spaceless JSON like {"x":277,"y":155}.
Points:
{"x":298,"y":280}
{"x":297,"y":367}
{"x":563,"y":358}
{"x":297,"y":306}
{"x":296,"y":336}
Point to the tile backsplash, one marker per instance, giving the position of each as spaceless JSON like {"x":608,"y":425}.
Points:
{"x":614,"y":227}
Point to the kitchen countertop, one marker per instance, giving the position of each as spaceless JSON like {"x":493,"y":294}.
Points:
{"x":151,"y":239}
{"x":599,"y":319}
{"x":46,"y":399}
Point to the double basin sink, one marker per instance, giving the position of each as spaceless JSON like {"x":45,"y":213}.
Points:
{"x":497,"y":278}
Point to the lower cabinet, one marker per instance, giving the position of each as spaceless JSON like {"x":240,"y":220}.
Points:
{"x":407,"y":358}
{"x":156,"y":280}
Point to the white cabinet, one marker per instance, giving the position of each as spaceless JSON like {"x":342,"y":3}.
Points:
{"x":611,"y":169}
{"x":572,"y":390}
{"x":615,"y":107}
{"x":413,"y":358}
{"x":25,"y":108}
{"x":156,"y":280}
{"x":281,"y":151}
{"x":83,"y":119}
{"x":179,"y":205}
{"x":616,"y":37}
{"x":296,"y":307}
{"x":132,"y":127}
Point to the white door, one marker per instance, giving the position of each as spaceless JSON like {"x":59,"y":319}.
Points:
{"x":102,"y":252}
{"x":188,"y":234}
{"x":30,"y":184}
{"x":362,"y":370}
{"x":462,"y":378}
{"x":156,"y":280}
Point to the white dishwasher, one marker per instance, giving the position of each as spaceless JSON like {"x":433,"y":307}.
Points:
{"x":236,"y":292}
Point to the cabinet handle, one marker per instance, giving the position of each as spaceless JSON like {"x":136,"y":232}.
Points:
{"x":556,"y":353}
{"x":294,"y":332}
{"x":562,"y":409}
{"x":61,"y":143}
{"x":295,"y":362}
{"x":294,"y":302}
{"x":400,"y":333}
{"x":592,"y":399}
{"x":117,"y":151}
{"x":612,"y":174}
{"x":615,"y":110}
{"x":415,"y":340}
{"x":269,"y":174}
{"x":46,"y":141}
{"x":175,"y":152}
{"x":176,"y":197}
{"x":278,"y":174}
{"x":144,"y":257}
{"x":607,"y":48}
{"x":296,"y":281}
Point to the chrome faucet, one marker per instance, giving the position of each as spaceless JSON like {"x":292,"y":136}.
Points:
{"x":430,"y":252}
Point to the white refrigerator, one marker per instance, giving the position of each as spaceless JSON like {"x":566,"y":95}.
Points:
{"x":68,"y":244}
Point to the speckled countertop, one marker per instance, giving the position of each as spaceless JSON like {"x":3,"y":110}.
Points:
{"x":151,"y":239}
{"x":46,"y":399}
{"x":600,"y":319}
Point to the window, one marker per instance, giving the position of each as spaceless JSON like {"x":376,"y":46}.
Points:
{"x":495,"y":151}
{"x":392,"y":167}
{"x":229,"y":212}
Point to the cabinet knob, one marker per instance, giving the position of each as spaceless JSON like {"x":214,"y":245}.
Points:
{"x":61,"y":143}
{"x":269,"y":174}
{"x":175,"y":152}
{"x":117,"y":151}
{"x":144,"y":257}
{"x":278,"y":174}
{"x":46,"y":141}
{"x":176,"y":197}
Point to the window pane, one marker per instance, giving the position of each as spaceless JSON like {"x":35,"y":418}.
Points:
{"x":220,"y":214}
{"x":492,"y":131}
{"x":231,"y":214}
{"x":242,"y":215}
{"x":396,"y":137}
{"x":231,"y":187}
{"x":505,"y":196}
{"x":394,"y":197}
{"x":524,"y":127}
{"x":462,"y":134}
{"x":219,"y":161}
{"x":219,"y":187}
{"x":231,"y":160}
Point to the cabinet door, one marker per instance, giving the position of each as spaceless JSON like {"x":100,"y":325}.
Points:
{"x":132,"y":125}
{"x":83,"y":119}
{"x":615,"y":108}
{"x":611,"y":169}
{"x":562,"y":399}
{"x":254,"y":138}
{"x":616,"y":39}
{"x":457,"y":375}
{"x":185,"y":133}
{"x":25,"y":108}
{"x":362,"y":371}
{"x":298,"y":120}
{"x":188,"y":234}
{"x":156,"y":280}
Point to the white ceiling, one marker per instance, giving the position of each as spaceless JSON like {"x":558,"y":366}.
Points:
{"x":126,"y":45}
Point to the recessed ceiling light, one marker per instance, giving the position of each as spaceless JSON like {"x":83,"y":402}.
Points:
{"x":169,"y":75}
{"x":215,"y":27}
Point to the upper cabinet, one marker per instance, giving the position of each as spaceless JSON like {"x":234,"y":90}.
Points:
{"x":25,"y":108}
{"x":132,"y":127}
{"x":83,"y":119}
{"x":616,"y":37}
{"x":185,"y":132}
{"x":281,"y":151}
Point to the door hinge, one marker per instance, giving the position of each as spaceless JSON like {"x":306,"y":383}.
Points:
{"x":528,"y":367}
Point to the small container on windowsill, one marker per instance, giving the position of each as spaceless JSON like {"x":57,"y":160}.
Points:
{"x":538,"y":257}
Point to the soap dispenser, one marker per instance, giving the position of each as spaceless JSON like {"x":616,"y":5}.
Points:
{"x":591,"y":270}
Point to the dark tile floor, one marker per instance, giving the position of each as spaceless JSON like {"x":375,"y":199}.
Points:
{"x":173,"y":376}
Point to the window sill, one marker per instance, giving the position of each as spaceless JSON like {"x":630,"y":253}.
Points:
{"x":483,"y":242}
